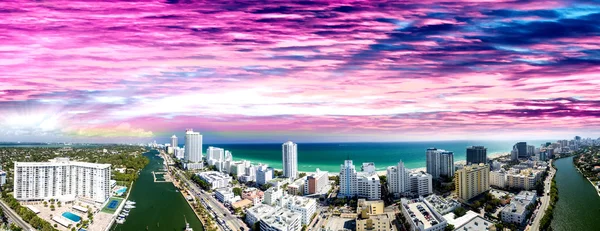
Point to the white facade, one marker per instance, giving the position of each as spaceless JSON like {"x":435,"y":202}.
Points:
{"x":368,"y":167}
{"x":238,"y":168}
{"x":224,"y":195}
{"x":263,"y":174}
{"x":193,"y":146}
{"x":272,"y":195}
{"x":440,"y":162}
{"x":516,"y":211}
{"x":61,"y":178}
{"x":290,"y":160}
{"x":397,"y":177}
{"x":215,"y":179}
{"x":348,"y":185}
{"x":215,"y":155}
{"x":306,"y":207}
{"x":281,"y":220}
{"x":498,"y":178}
{"x":2,"y":177}
{"x":256,"y":213}
{"x":315,"y":182}
{"x":420,"y":183}
{"x":361,"y":184}
{"x":179,"y":153}
{"x":174,"y":142}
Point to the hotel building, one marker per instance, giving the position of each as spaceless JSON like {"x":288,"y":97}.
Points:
{"x":290,"y":160}
{"x":61,"y":179}
{"x":472,"y":180}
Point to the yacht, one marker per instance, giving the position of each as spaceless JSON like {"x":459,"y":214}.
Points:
{"x":187,"y":226}
{"x":128,"y":202}
{"x":129,"y":207}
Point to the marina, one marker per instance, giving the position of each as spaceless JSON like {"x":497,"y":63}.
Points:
{"x":155,"y":206}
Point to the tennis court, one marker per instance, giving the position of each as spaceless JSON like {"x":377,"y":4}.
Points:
{"x":112,"y":205}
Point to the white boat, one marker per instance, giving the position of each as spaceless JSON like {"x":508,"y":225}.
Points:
{"x":129,"y":207}
{"x":120,"y":221}
{"x":128,"y":202}
{"x":187,"y":225}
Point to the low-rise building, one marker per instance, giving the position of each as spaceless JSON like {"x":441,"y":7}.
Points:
{"x":257,"y":212}
{"x":296,"y":187}
{"x":421,"y":216}
{"x":381,"y":222}
{"x":304,"y":206}
{"x":281,"y":220}
{"x":226,"y":195}
{"x":516,"y":211}
{"x":215,"y":179}
{"x":316,"y":182}
{"x":498,"y":178}
{"x":254,"y":195}
{"x":272,"y":194}
{"x":525,"y":179}
{"x":442,"y":205}
{"x":263,"y":174}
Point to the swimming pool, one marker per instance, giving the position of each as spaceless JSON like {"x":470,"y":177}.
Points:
{"x":72,"y":217}
{"x":121,"y":191}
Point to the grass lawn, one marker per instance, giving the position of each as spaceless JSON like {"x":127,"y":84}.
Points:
{"x":111,"y":209}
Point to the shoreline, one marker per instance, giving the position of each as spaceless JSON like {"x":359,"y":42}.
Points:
{"x":588,"y":179}
{"x":423,"y":169}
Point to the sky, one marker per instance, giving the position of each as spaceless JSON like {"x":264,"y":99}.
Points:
{"x":308,"y":71}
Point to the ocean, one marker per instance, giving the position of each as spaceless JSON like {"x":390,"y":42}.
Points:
{"x":329,"y":156}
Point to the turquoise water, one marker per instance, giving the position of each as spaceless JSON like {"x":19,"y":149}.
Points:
{"x":72,"y":217}
{"x":121,"y":191}
{"x":329,"y":156}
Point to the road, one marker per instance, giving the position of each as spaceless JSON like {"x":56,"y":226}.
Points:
{"x":12,"y":215}
{"x":220,"y":212}
{"x":545,"y":199}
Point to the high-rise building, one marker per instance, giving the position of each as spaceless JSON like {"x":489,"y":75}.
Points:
{"x":193,"y":146}
{"x":440,"y":163}
{"x":368,"y":167}
{"x":472,"y":180}
{"x":347,"y":179}
{"x":420,"y":183}
{"x":397,"y":178}
{"x":521,"y":149}
{"x":530,"y":150}
{"x":174,"y":142}
{"x":476,"y":155}
{"x":215,"y":156}
{"x":60,"y":178}
{"x":315,"y":182}
{"x":360,"y":184}
{"x":290,"y":160}
{"x":263,"y":174}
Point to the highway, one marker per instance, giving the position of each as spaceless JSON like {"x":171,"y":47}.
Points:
{"x":12,"y":216}
{"x":545,"y":199}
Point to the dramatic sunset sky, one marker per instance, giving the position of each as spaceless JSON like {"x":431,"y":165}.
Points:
{"x":310,"y":71}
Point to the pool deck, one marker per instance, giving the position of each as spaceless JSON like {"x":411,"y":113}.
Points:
{"x":101,"y":219}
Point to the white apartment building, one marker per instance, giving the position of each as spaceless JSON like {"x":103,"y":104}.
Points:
{"x":348,"y":181}
{"x":272,"y":195}
{"x":281,"y":220}
{"x":174,"y":142}
{"x":256,"y":213}
{"x":2,"y":177}
{"x":238,"y":168}
{"x":193,"y":146}
{"x":215,"y":179}
{"x":498,"y":178}
{"x":307,"y":207}
{"x":361,"y":184}
{"x":290,"y":160}
{"x":263,"y":174}
{"x":397,"y":177}
{"x":226,"y":195}
{"x":516,"y":211}
{"x":420,"y":183}
{"x":368,"y":167}
{"x":179,"y":153}
{"x":440,"y":163}
{"x":316,"y":182}
{"x":215,"y":156}
{"x":61,"y":178}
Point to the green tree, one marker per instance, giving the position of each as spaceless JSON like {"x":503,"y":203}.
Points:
{"x":459,"y":212}
{"x":237,"y":191}
{"x":450,"y":227}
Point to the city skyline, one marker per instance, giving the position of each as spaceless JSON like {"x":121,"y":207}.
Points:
{"x":317,"y":71}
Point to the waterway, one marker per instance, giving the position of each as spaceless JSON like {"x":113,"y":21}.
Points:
{"x":160,"y":206}
{"x":578,"y":206}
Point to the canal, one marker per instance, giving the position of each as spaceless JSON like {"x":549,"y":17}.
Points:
{"x":159,"y":205}
{"x":578,"y":206}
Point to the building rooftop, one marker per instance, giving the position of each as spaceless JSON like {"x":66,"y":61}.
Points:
{"x":281,"y":218}
{"x":476,"y":223}
{"x":62,"y":162}
{"x":420,"y":213}
{"x":441,"y":204}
